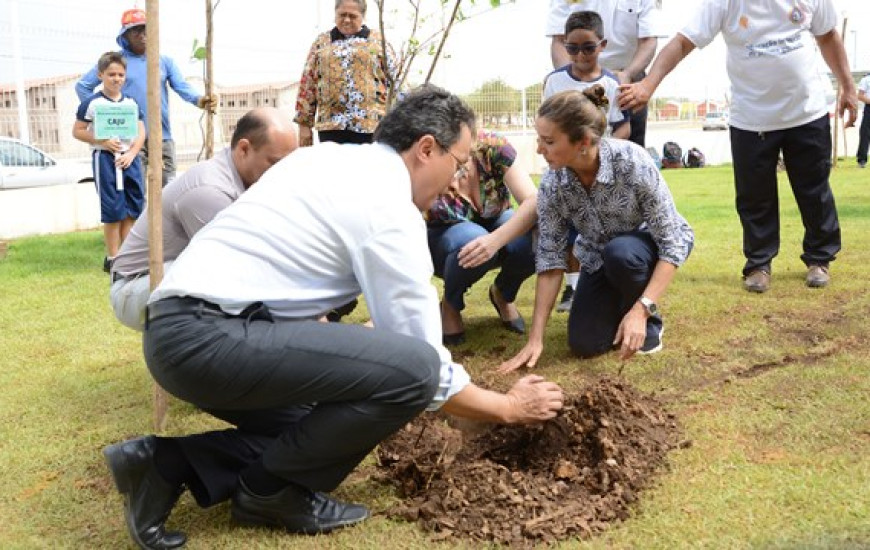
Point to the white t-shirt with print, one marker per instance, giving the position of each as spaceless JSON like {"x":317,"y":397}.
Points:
{"x":771,"y":57}
{"x":624,"y":22}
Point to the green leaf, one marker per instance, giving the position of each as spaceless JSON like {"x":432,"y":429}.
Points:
{"x":199,"y":53}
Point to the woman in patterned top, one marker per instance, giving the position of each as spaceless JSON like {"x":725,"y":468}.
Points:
{"x":473,"y":229}
{"x":343,"y":89}
{"x":631,"y":239}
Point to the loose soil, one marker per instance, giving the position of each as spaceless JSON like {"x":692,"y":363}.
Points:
{"x":522,"y":485}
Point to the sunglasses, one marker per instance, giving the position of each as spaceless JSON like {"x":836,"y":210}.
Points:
{"x":588,"y":48}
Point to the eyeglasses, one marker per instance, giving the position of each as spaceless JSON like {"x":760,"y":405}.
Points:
{"x":588,"y":48}
{"x":462,"y":169}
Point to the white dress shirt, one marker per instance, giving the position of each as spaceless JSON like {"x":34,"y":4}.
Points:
{"x":321,"y":226}
{"x":625,"y":21}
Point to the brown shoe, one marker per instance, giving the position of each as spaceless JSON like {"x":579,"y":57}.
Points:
{"x":758,"y":281}
{"x":817,"y":276}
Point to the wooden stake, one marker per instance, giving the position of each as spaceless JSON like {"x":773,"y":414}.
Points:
{"x":155,"y":179}
{"x":209,"y":80}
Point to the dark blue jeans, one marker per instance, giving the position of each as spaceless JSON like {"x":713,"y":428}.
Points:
{"x":602,"y":298}
{"x":806,"y":151}
{"x":516,"y":259}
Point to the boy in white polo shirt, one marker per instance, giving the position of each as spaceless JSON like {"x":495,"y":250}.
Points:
{"x":778,"y":105}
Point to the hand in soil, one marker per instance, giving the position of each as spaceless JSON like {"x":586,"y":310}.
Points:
{"x":533,"y":399}
{"x":631,"y":333}
{"x":527,"y":357}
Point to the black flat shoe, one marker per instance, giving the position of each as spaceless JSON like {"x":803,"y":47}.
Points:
{"x":453,"y":339}
{"x":148,"y":498}
{"x":517,"y":325}
{"x":295,"y":509}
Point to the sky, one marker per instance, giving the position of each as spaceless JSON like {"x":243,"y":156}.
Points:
{"x":267,"y":40}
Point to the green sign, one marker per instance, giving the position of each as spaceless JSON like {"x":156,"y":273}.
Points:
{"x":116,"y":121}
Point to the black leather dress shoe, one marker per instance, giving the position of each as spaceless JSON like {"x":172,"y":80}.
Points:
{"x":148,"y":498}
{"x":295,"y":509}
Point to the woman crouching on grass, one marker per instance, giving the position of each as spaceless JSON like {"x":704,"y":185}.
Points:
{"x":631,"y":237}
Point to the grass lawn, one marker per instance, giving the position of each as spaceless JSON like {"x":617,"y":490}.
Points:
{"x":773,"y":390}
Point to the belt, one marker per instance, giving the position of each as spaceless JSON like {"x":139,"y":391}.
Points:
{"x":169,"y":307}
{"x":118,"y":277}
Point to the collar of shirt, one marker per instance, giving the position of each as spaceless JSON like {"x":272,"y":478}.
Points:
{"x":335,"y":35}
{"x":237,"y":179}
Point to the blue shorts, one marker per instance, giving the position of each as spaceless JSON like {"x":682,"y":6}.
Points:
{"x":115,"y":205}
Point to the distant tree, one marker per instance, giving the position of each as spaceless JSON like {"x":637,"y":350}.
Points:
{"x":496,"y":103}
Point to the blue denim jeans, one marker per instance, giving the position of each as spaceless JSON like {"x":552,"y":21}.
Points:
{"x":516,"y":259}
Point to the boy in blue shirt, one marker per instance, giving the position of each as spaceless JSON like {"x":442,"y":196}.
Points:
{"x":120,"y":202}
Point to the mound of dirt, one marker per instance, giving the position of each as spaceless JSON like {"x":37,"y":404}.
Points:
{"x":520,"y":485}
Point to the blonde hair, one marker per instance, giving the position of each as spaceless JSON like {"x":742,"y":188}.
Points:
{"x":578,"y":114}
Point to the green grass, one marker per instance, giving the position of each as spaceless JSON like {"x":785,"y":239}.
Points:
{"x":773,"y":391}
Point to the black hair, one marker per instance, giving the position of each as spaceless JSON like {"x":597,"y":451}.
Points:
{"x":427,"y":110}
{"x":254,"y":127}
{"x":587,"y":21}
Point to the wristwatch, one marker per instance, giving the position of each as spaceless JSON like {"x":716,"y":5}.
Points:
{"x":650,"y":306}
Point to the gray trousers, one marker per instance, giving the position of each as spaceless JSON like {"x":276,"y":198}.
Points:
{"x":308,"y":399}
{"x":167,"y":155}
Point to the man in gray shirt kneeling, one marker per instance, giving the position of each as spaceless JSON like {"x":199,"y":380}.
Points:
{"x":262,"y":137}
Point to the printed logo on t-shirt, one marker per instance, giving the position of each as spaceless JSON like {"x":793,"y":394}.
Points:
{"x":796,"y":16}
{"x":777,"y":47}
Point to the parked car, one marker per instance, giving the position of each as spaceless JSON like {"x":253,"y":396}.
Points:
{"x":715,"y":121}
{"x":23,"y":165}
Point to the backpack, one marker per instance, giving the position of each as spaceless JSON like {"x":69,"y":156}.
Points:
{"x":694,"y":158}
{"x":655,"y":156}
{"x":672,"y":155}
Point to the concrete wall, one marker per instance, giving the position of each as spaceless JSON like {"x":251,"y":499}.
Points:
{"x":54,"y":209}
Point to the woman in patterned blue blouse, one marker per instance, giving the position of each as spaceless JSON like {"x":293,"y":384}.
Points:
{"x":631,"y":237}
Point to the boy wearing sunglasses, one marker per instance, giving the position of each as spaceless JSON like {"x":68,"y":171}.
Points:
{"x":584,"y":40}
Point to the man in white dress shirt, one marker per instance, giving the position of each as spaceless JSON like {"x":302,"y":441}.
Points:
{"x":232,"y":329}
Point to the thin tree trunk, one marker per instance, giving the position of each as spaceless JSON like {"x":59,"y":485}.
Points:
{"x":443,"y":41}
{"x":209,"y":80}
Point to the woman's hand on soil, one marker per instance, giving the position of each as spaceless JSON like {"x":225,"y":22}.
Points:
{"x":631,"y":332}
{"x":527,"y":357}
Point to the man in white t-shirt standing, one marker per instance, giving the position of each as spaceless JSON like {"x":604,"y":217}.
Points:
{"x":778,"y":105}
{"x":864,"y":132}
{"x":631,"y":28}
